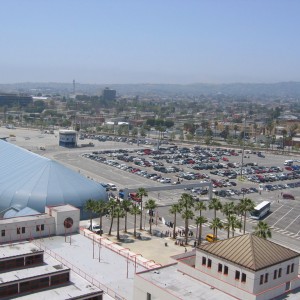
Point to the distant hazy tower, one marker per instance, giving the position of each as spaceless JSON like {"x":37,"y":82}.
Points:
{"x":74,"y":86}
{"x":109,"y":94}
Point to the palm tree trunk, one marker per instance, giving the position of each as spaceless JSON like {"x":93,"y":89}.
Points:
{"x":111,"y":223}
{"x":216,"y":233}
{"x":174,"y":227}
{"x":134,"y":226}
{"x":245,"y":222}
{"x":186,"y":230}
{"x":141,"y":218}
{"x":118,"y":227}
{"x":200,"y":235}
{"x":101,"y":224}
{"x":150,"y":224}
{"x":228,"y":231}
{"x":125,"y":229}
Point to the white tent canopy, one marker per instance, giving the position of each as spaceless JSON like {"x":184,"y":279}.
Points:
{"x":27,"y":179}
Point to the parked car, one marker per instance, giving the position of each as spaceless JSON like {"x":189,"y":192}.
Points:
{"x":288,"y":196}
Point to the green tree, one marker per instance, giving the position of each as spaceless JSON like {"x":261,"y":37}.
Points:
{"x":186,"y":202}
{"x":232,"y":222}
{"x":100,"y":209}
{"x":119,"y":213}
{"x":111,"y":205}
{"x":216,"y":205}
{"x":151,"y":206}
{"x":126,"y":205}
{"x":199,"y":222}
{"x":228,"y":209}
{"x":174,"y":210}
{"x":90,"y":208}
{"x":142,"y":192}
{"x":246,"y":205}
{"x":200,"y":206}
{"x":215,"y":225}
{"x":135,"y":210}
{"x":263,"y":230}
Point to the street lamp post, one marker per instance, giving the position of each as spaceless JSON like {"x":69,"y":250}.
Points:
{"x":243,"y":150}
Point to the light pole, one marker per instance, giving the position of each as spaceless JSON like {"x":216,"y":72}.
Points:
{"x":243,"y":150}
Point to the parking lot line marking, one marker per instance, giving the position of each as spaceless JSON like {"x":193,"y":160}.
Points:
{"x":283,"y":216}
{"x":291,"y":223}
{"x":273,"y":212}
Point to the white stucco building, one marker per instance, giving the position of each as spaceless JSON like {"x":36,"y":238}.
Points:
{"x":57,"y":220}
{"x":244,"y":267}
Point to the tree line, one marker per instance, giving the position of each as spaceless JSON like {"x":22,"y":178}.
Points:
{"x":189,"y":210}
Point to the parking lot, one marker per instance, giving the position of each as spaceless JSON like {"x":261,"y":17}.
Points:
{"x":264,"y":178}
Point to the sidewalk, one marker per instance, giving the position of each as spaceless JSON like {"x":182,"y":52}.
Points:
{"x":153,"y":247}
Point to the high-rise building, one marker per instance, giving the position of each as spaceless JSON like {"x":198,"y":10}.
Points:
{"x":109,"y":94}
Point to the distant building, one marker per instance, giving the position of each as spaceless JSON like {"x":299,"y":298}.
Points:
{"x":244,"y":267}
{"x":15,"y":100}
{"x":68,"y":138}
{"x":109,"y":94}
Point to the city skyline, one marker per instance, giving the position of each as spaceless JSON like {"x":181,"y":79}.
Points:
{"x":173,"y":42}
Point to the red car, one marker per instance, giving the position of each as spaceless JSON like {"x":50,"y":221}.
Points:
{"x":225,"y":158}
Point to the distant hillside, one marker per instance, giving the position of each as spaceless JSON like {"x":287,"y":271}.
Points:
{"x":281,"y":89}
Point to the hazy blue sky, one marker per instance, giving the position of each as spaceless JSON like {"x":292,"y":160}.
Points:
{"x":154,"y":41}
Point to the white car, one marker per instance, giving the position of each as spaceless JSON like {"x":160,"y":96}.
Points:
{"x":112,"y":186}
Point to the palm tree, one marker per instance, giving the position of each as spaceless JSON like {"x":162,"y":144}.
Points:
{"x":186,"y":202}
{"x":216,"y":205}
{"x":232,"y":223}
{"x":263,"y":230}
{"x":90,"y":207}
{"x":246,"y":205}
{"x":135,"y":210}
{"x":215,"y":225}
{"x":111,"y":205}
{"x":150,"y":205}
{"x":187,"y":215}
{"x":100,"y":208}
{"x":141,"y":193}
{"x":175,"y":208}
{"x":199,"y":206}
{"x":126,"y":205}
{"x":200,"y":221}
{"x":119,"y":213}
{"x":228,"y":209}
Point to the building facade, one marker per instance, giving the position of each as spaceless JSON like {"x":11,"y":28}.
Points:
{"x":244,"y":267}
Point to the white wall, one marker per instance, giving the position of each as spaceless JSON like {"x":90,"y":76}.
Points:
{"x":29,"y":224}
{"x":142,"y":287}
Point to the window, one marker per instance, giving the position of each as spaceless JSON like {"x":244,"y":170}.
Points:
{"x":148,"y":296}
{"x":18,"y":230}
{"x":237,"y":275}
{"x":209,"y":263}
{"x":275,"y":274}
{"x":225,"y":270}
{"x":266,"y":277}
{"x":279,"y":272}
{"x":261,"y":281}
{"x":2,"y":232}
{"x":287,"y":286}
{"x":292,"y":268}
{"x":42,"y":227}
{"x":37,"y":227}
{"x":203,"y":261}
{"x":244,"y":277}
{"x":288,"y":269}
{"x":23,"y":229}
{"x":220,"y":268}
